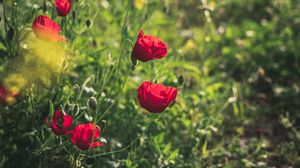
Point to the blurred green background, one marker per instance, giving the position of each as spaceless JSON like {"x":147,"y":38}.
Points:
{"x":234,"y":62}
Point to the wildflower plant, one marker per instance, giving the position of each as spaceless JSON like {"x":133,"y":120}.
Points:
{"x":149,"y":83}
{"x":74,"y":106}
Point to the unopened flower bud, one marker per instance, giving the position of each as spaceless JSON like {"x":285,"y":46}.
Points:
{"x":180,"y":80}
{"x":88,"y":117}
{"x":75,"y":109}
{"x":88,"y":23}
{"x":73,"y":15}
{"x":92,"y":103}
{"x":44,"y":7}
{"x":134,"y":61}
{"x":67,"y":106}
{"x":10,"y":34}
{"x":76,"y":89}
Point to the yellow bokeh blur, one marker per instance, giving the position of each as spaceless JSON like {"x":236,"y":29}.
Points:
{"x":139,"y":4}
{"x":40,"y":63}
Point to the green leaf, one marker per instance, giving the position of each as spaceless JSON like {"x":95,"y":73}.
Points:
{"x":51,"y":108}
{"x":204,"y":150}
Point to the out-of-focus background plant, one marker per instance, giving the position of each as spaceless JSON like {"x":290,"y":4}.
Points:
{"x":235,"y":64}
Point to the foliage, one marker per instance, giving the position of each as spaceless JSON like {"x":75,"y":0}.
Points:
{"x":234,"y":62}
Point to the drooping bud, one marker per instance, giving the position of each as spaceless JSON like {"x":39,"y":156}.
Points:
{"x":10,"y":34}
{"x":75,"y":109}
{"x":76,"y":89}
{"x":73,"y":16}
{"x":92,"y":103}
{"x":104,"y":122}
{"x":88,"y":23}
{"x":67,"y":106}
{"x":65,"y":64}
{"x":180,"y":80}
{"x":88,"y":117}
{"x":44,"y":7}
{"x":133,"y":60}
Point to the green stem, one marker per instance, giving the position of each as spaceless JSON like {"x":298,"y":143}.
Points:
{"x":128,"y":146}
{"x":75,"y":157}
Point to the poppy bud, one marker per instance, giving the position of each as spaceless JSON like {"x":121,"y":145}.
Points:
{"x":10,"y":34}
{"x":75,"y":109}
{"x":88,"y":23}
{"x":44,"y":7}
{"x":134,"y":61}
{"x":65,"y":64}
{"x":92,"y":103}
{"x":73,"y":16}
{"x":88,"y":117}
{"x":104,"y":122}
{"x":94,"y":43}
{"x":180,"y":80}
{"x":165,"y":9}
{"x":76,"y":89}
{"x":67,"y":107}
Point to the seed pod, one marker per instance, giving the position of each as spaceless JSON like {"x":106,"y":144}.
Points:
{"x":10,"y":34}
{"x":88,"y":23}
{"x":94,"y":43}
{"x":103,"y":140}
{"x":134,"y":61}
{"x":88,"y":117}
{"x":75,"y":109}
{"x":104,"y":122}
{"x":44,"y":7}
{"x":76,"y":89}
{"x":165,"y":9}
{"x":146,"y":17}
{"x":92,"y":103}
{"x":65,"y":64}
{"x":180,"y":80}
{"x":73,"y":16}
{"x":67,"y":106}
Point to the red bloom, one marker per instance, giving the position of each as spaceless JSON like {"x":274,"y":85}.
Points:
{"x":148,"y":48}
{"x":46,"y":29}
{"x":7,"y":96}
{"x":63,"y":7}
{"x":85,"y":136}
{"x":155,"y":97}
{"x":61,"y":123}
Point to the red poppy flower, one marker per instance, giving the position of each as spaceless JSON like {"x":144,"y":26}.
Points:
{"x":61,"y":123}
{"x":63,"y":7}
{"x":7,"y":96}
{"x":155,"y":97}
{"x":85,"y":136}
{"x":46,"y":29}
{"x":148,"y":48}
{"x":3,"y":94}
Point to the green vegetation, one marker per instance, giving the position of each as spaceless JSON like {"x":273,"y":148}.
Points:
{"x":235,"y":63}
